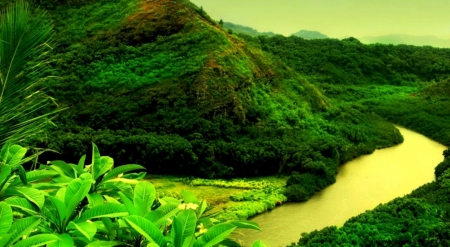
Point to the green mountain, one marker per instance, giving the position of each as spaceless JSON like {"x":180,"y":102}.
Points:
{"x":396,"y":39}
{"x":236,"y":28}
{"x":310,"y":34}
{"x":160,"y":83}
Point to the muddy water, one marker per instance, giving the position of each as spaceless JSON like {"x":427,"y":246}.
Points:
{"x":361,"y":184}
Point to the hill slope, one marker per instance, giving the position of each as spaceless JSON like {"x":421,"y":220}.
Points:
{"x":306,"y":34}
{"x":159,"y":83}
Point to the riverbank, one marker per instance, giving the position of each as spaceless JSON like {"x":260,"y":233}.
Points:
{"x":361,"y":185}
{"x":234,"y":199}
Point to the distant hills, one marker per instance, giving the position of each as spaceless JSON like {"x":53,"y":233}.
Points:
{"x":306,"y":34}
{"x":245,"y":30}
{"x":396,"y":39}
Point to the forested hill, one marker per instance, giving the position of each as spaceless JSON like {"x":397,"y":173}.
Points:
{"x":348,"y":61}
{"x":159,"y":83}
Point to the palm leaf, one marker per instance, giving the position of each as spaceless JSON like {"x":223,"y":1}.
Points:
{"x":24,"y":41}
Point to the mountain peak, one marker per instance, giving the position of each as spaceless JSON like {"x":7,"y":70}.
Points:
{"x":306,"y":34}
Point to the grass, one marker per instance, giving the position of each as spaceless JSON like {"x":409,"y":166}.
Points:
{"x":227,"y":199}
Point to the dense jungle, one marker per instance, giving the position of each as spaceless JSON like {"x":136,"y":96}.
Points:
{"x":159,"y":85}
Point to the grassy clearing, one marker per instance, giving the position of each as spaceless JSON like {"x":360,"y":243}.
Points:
{"x":232,"y":199}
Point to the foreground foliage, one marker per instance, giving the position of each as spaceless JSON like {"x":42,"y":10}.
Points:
{"x":63,"y":204}
{"x":25,"y":40}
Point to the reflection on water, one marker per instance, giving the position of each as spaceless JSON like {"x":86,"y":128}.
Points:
{"x":361,"y":184}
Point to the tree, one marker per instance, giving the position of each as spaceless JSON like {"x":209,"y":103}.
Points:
{"x":221,"y":22}
{"x":25,"y":40}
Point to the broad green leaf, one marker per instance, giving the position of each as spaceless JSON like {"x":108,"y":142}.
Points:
{"x":104,"y":210}
{"x":201,"y":208}
{"x":65,"y":240}
{"x":117,"y":185}
{"x":22,"y":204}
{"x":80,"y":165}
{"x":245,"y":224}
{"x":36,"y":175}
{"x":146,"y":229}
{"x":38,"y":240}
{"x":104,"y":244}
{"x":75,"y":192}
{"x":5,"y":171}
{"x":35,"y":196}
{"x":258,"y":243}
{"x":4,"y":239}
{"x":64,"y":167}
{"x":111,"y":199}
{"x":183,"y":226}
{"x":121,"y":170}
{"x":22,"y":174}
{"x":61,"y":209}
{"x":61,"y":193}
{"x":48,"y":186}
{"x":161,"y":214}
{"x":88,"y":229}
{"x":215,"y":235}
{"x":107,"y":164}
{"x":189,"y":197}
{"x":132,"y":210}
{"x":166,"y":200}
{"x":15,"y":155}
{"x":96,"y":161}
{"x":6,"y":218}
{"x":23,"y":227}
{"x":4,"y":153}
{"x":94,"y":199}
{"x":144,"y":195}
{"x":189,"y":241}
{"x":109,"y":227}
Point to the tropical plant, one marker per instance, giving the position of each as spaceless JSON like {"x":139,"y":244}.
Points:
{"x":25,"y":39}
{"x":15,"y":181}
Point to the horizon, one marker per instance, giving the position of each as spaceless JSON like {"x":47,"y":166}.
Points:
{"x":336,"y":18}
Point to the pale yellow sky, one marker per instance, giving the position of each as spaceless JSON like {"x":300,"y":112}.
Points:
{"x":336,"y":18}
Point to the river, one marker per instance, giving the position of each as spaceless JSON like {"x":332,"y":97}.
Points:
{"x":361,"y":184}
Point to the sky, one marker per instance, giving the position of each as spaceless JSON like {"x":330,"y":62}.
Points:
{"x":336,"y":18}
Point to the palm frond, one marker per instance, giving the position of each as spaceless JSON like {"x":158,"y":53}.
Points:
{"x":25,"y":40}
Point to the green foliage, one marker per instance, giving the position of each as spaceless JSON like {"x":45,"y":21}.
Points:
{"x":99,"y":205}
{"x":348,"y":61}
{"x":25,"y":42}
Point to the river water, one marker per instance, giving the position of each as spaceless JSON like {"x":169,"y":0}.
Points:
{"x":361,"y":184}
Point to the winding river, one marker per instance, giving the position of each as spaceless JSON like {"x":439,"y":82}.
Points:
{"x":361,"y":184}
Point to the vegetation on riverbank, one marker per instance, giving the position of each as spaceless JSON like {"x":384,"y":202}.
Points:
{"x":421,"y":218}
{"x":235,"y":199}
